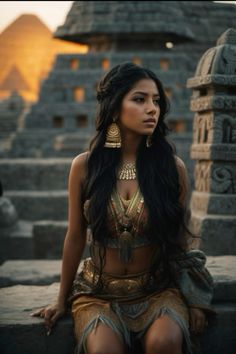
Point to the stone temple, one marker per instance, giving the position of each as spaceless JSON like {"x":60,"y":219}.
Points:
{"x":168,"y":37}
{"x":191,"y":43}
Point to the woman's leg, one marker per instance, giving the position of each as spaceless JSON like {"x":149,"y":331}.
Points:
{"x":103,"y":340}
{"x":164,"y":336}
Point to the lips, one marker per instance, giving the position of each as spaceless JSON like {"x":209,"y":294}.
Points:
{"x":150,"y":120}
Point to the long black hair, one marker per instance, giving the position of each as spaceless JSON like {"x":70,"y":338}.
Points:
{"x":158,"y":181}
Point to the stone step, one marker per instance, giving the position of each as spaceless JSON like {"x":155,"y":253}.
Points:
{"x":33,"y":272}
{"x":16,"y":242}
{"x":40,"y":205}
{"x":35,"y":174}
{"x":41,"y":272}
{"x":21,"y":333}
{"x":48,"y":238}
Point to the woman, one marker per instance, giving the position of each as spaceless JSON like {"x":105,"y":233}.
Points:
{"x":129,"y":194}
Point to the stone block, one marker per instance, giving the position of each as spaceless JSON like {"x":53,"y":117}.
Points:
{"x":16,"y":242}
{"x":211,"y":203}
{"x":48,"y":238}
{"x":223,"y":270}
{"x":22,"y":334}
{"x":40,"y":205}
{"x":44,"y":272}
{"x":33,"y":272}
{"x":35,"y":174}
{"x":217,"y":233}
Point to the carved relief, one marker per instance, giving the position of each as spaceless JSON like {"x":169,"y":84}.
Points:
{"x":202,"y":126}
{"x":204,"y":66}
{"x":222,"y":180}
{"x":202,"y":176}
{"x":227,"y":132}
{"x":224,"y":102}
{"x":227,"y":64}
{"x":214,"y":179}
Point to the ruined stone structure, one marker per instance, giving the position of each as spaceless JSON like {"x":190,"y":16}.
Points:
{"x":40,"y":193}
{"x":10,"y":112}
{"x":168,"y":37}
{"x":214,"y":146}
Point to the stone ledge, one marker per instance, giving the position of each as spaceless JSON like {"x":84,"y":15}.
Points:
{"x":44,"y":272}
{"x":22,"y":334}
{"x":28,"y":204}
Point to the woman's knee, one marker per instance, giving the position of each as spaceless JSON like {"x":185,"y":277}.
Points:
{"x":163,"y":344}
{"x":104,"y":340}
{"x":163,"y":337}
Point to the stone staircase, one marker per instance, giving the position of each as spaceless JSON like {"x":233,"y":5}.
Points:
{"x":28,"y":285}
{"x":32,"y":250}
{"x":38,"y":190}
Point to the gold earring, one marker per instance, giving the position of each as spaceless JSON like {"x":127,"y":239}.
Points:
{"x":113,"y":137}
{"x":149,"y":141}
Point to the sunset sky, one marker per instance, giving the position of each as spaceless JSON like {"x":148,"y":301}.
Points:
{"x":52,"y":13}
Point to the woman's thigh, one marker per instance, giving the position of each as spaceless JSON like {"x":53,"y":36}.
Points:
{"x":163,"y":336}
{"x":103,"y":340}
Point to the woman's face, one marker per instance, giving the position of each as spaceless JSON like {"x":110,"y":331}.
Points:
{"x":140,"y":109}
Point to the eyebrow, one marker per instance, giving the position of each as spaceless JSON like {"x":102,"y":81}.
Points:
{"x":144,"y":93}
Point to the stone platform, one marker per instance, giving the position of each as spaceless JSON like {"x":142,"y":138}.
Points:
{"x":22,"y":334}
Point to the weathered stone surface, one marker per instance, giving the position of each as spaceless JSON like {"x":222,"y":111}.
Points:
{"x":8,"y":214}
{"x":42,"y":272}
{"x":17,"y":242}
{"x":217,"y":234}
{"x":223,"y":270}
{"x":40,"y":205}
{"x":21,"y":333}
{"x":136,"y":17}
{"x":35,"y":272}
{"x":35,"y":174}
{"x":214,"y":200}
{"x":48,"y":238}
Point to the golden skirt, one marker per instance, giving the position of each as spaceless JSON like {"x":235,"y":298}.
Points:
{"x":124,"y":306}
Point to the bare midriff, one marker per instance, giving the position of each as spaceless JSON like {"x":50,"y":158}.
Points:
{"x":140,"y":262}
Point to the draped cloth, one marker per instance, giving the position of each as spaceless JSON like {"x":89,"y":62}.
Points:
{"x":129,"y":304}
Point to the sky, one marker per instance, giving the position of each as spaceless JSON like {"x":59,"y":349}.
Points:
{"x":52,"y":13}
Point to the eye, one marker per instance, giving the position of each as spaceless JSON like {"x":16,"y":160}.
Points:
{"x":157,"y":101}
{"x":138,"y":99}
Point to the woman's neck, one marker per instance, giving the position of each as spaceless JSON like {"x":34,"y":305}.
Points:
{"x":129,"y":146}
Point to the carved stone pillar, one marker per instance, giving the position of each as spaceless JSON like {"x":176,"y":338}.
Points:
{"x":213,"y":200}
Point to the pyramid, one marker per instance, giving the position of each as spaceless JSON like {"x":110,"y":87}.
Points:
{"x":27,"y":50}
{"x":14,"y":81}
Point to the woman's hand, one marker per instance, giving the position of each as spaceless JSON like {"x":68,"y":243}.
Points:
{"x":50,"y":314}
{"x":197,"y":320}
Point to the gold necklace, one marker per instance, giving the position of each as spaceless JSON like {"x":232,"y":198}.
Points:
{"x":127,"y":171}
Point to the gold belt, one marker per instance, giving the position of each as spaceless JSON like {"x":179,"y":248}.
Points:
{"x":115,"y":284}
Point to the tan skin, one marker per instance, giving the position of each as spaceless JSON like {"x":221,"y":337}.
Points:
{"x":164,"y":336}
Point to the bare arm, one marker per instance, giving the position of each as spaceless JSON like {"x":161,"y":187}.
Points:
{"x":197,"y":316}
{"x":183,"y":181}
{"x":75,"y":238}
{"x":73,"y":245}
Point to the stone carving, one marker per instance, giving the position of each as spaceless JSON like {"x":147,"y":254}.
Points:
{"x":214,"y":148}
{"x":222,"y":180}
{"x":213,"y":178}
{"x":228,"y":61}
{"x":202,"y":176}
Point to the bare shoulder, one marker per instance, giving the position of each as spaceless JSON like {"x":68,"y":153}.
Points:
{"x":183,"y":179}
{"x":180,"y":163}
{"x":79,"y":165}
